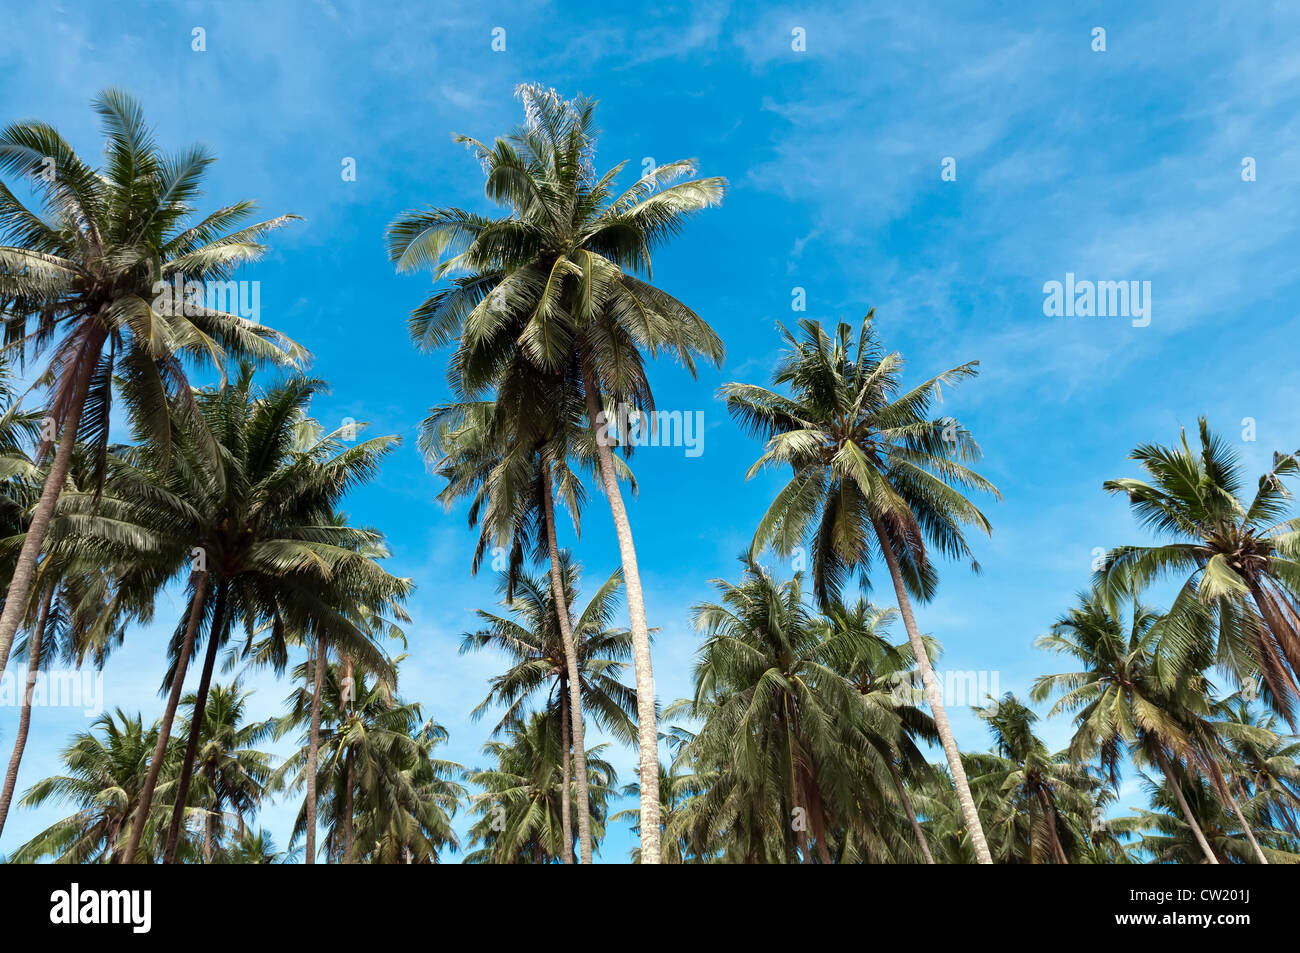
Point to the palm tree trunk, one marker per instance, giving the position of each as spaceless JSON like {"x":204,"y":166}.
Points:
{"x":20,"y":585}
{"x":1222,"y":784}
{"x":169,"y":715}
{"x":566,"y":800}
{"x":574,"y":684}
{"x":196,"y":725}
{"x":932,"y":694}
{"x":917,"y":830}
{"x":646,"y":721}
{"x":1177,"y":790}
{"x":349,"y":828}
{"x":209,"y":821}
{"x":25,"y":718}
{"x":313,"y":747}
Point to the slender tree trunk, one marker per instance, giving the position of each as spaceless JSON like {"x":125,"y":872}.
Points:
{"x":566,"y":800}
{"x":196,"y":725}
{"x":646,"y":722}
{"x":169,"y":715}
{"x":349,"y":828}
{"x":313,"y":747}
{"x":1177,"y":789}
{"x":25,"y":718}
{"x":209,"y":820}
{"x":917,"y":830}
{"x":574,"y":684}
{"x":20,"y":586}
{"x":933,"y":695}
{"x":1222,"y":784}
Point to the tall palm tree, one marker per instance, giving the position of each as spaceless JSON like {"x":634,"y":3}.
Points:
{"x":88,"y":279}
{"x":1119,"y":703}
{"x":534,"y":642}
{"x":1238,"y":557}
{"x":511,"y":455}
{"x":106,"y":767}
{"x":253,"y":527}
{"x":872,"y":471}
{"x":555,"y":280}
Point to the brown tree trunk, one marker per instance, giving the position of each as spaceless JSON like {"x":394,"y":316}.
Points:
{"x":573,"y":680}
{"x":25,"y":718}
{"x":566,"y":801}
{"x":1222,"y":784}
{"x":647,"y":727}
{"x":934,"y":696}
{"x":349,"y":828}
{"x":169,"y":715}
{"x":313,"y":747}
{"x":209,"y":819}
{"x":196,"y":725}
{"x":20,"y":585}
{"x":1177,"y":790}
{"x":917,"y":830}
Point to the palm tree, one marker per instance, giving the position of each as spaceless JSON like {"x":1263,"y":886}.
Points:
{"x":1165,"y":836}
{"x":891,"y":722}
{"x":385,"y":796}
{"x":233,"y":773}
{"x":520,"y":803}
{"x":1265,"y":764}
{"x":90,"y":278}
{"x":1118,"y":701}
{"x":871,"y":470}
{"x":533,"y":641}
{"x":1041,"y":801}
{"x":252,"y":847}
{"x":1238,"y":559}
{"x":780,"y":723}
{"x":554,"y":280}
{"x":511,"y":455}
{"x":105,"y":776}
{"x":257,"y":533}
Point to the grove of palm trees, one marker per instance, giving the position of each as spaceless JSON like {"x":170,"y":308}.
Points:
{"x":609,"y":594}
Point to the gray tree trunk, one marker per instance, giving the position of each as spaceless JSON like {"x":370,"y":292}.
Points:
{"x":169,"y":716}
{"x":646,"y":722}
{"x":935,"y":698}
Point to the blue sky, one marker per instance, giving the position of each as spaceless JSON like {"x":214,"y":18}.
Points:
{"x":1117,"y":165}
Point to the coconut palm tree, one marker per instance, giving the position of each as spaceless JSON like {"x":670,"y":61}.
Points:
{"x":1119,"y":703}
{"x":891,"y":721}
{"x":257,"y":535}
{"x":1041,"y":802}
{"x":520,"y":803}
{"x":233,"y":773}
{"x":533,"y":640}
{"x":92,"y":281}
{"x":781,"y":724}
{"x":1265,"y":764}
{"x":511,"y":455}
{"x":556,"y":280}
{"x":384,"y":796}
{"x":1237,"y":556}
{"x":106,"y":768}
{"x":1164,"y":835}
{"x":872,"y":472}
